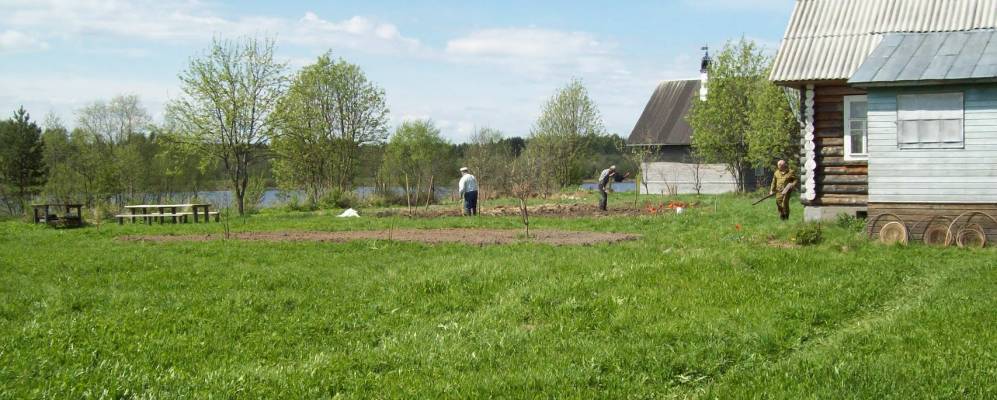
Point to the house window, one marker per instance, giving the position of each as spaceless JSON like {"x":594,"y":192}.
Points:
{"x":856,"y":127}
{"x":933,"y":120}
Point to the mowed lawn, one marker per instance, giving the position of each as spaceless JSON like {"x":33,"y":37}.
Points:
{"x":707,"y":304}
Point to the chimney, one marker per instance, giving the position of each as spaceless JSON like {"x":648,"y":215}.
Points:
{"x":704,"y":73}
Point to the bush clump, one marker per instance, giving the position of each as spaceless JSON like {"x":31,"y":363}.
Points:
{"x":337,"y":199}
{"x":850,"y":222}
{"x":808,"y":234}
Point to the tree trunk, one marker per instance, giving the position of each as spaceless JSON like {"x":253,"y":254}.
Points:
{"x":429,"y":199}
{"x":408,"y":198}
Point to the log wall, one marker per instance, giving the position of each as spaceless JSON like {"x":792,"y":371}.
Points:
{"x":839,"y":182}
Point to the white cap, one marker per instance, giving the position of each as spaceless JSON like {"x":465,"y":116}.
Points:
{"x":612,"y":167}
{"x":463,"y":169}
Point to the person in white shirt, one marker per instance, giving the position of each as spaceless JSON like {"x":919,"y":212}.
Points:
{"x":468,"y":187}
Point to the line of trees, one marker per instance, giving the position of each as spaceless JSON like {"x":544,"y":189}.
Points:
{"x":243,"y":122}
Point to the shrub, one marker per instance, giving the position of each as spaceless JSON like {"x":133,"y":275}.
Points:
{"x":385,"y":200}
{"x":294,"y":203}
{"x":807,"y":234}
{"x":337,"y":199}
{"x":850,"y":222}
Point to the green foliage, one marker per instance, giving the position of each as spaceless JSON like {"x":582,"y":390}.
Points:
{"x":226,"y":110}
{"x":746,"y":120}
{"x":336,"y":198}
{"x":22,"y":167}
{"x":561,"y":136}
{"x":808,"y":234}
{"x":850,"y":222}
{"x":416,"y":154}
{"x":488,"y":156}
{"x":328,"y":113}
{"x":774,"y":131}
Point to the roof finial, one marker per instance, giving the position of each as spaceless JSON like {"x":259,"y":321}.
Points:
{"x":705,"y":65}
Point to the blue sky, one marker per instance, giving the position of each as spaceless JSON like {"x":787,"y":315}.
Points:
{"x":465,"y":64}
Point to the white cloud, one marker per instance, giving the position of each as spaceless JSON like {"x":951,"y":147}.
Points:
{"x":64,"y":95}
{"x":15,"y":41}
{"x":179,"y":20}
{"x":537,"y":52}
{"x":356,"y":33}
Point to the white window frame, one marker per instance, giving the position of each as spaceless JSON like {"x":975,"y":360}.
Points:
{"x":847,"y":128}
{"x":927,"y":115}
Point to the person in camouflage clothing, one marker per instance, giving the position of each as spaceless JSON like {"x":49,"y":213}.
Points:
{"x":783,"y":182}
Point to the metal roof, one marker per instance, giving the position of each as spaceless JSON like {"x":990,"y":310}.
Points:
{"x":925,"y":58}
{"x":663,"y":120}
{"x":829,"y":39}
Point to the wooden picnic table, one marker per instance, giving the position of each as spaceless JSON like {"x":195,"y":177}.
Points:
{"x":68,"y":218}
{"x":196,"y":209}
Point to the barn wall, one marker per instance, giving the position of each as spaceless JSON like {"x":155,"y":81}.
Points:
{"x":839,"y":182}
{"x":714,"y":178}
{"x":967,"y":175}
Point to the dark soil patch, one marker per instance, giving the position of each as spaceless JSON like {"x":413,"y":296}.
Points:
{"x":431,"y":236}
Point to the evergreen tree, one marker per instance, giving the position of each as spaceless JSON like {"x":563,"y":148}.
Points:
{"x":22,"y":166}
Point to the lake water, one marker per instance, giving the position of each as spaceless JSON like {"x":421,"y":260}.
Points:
{"x":276,"y":198}
{"x":220,"y":199}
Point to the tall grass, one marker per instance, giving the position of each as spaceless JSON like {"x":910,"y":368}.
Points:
{"x":702,"y":306}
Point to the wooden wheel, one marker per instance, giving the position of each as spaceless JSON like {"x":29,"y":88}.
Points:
{"x":980,"y":234}
{"x":936,"y":235}
{"x":893,"y":232}
{"x":971,"y":236}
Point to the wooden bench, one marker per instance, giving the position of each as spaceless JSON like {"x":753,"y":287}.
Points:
{"x":151,"y":212}
{"x":148,"y":218}
{"x":182,"y":217}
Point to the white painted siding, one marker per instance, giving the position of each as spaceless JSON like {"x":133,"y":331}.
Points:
{"x":681,"y":176}
{"x":966,"y":175}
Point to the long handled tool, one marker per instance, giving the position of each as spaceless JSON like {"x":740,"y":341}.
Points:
{"x":763,"y":199}
{"x":785,"y":191}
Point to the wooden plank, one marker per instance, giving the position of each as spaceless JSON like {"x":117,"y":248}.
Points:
{"x":837,"y":90}
{"x":843,"y":179}
{"x":831,"y":141}
{"x":827,"y":123}
{"x":845,"y":170}
{"x":841,"y":200}
{"x":844,"y":189}
{"x":829,"y":133}
{"x":832,"y":151}
{"x":840,"y":162}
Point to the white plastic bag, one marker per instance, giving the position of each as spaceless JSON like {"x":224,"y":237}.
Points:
{"x":349,"y":213}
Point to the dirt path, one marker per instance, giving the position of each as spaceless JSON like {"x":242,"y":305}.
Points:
{"x":431,"y":236}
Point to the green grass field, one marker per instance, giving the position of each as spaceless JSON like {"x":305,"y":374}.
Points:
{"x":694,"y":309}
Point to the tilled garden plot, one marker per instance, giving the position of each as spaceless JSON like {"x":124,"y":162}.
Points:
{"x":431,"y":236}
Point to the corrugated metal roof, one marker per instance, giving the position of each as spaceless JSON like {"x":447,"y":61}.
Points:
{"x":663,"y":120}
{"x":829,"y":39}
{"x":924,"y":58}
